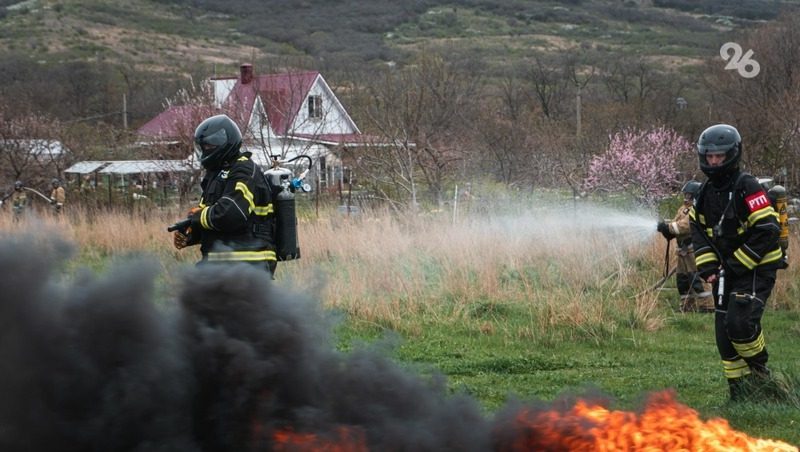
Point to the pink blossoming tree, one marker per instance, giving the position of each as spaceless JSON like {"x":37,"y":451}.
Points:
{"x":642,"y":163}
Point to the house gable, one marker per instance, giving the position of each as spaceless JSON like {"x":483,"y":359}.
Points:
{"x":333,"y":119}
{"x":269,"y":106}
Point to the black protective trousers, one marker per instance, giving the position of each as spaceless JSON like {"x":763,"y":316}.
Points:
{"x":738,"y":321}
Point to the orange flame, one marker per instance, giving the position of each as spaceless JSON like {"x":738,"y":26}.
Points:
{"x":664,"y":425}
{"x":344,"y":440}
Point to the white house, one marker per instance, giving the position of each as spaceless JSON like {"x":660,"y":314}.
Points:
{"x":284,"y":115}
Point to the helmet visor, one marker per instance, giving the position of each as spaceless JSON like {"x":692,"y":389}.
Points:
{"x":207,"y":145}
{"x":713,"y":149}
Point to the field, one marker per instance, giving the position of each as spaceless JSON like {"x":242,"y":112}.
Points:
{"x":527,"y":302}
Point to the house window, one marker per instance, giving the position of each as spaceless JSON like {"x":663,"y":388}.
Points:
{"x":314,"y":106}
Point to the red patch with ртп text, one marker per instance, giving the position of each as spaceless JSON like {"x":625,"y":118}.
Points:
{"x":757,"y":201}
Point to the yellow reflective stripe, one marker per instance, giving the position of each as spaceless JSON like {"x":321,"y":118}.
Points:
{"x":772,"y":256}
{"x":245,"y":256}
{"x":263,"y":210}
{"x":735,"y":369}
{"x":744,"y":259}
{"x":705,"y":258}
{"x":702,"y":219}
{"x":692,"y":214}
{"x":763,"y":213}
{"x":748,"y":262}
{"x":709,"y":232}
{"x":204,"y":218}
{"x":751,"y":349}
{"x":248,"y":195}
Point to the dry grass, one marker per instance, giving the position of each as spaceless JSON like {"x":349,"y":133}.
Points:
{"x":554,"y":276}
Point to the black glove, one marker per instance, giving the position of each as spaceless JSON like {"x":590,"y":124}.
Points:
{"x":663,"y":228}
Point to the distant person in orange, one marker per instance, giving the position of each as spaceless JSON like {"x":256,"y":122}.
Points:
{"x":57,"y":196}
{"x":694,"y":292}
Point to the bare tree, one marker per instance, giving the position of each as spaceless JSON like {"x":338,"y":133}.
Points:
{"x":766,"y":107}
{"x":548,"y":82}
{"x":422,"y":109}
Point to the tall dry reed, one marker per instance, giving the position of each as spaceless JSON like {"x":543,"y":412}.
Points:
{"x":576,"y":276}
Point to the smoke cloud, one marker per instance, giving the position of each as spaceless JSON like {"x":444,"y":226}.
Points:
{"x":99,"y":362}
{"x":94,"y":362}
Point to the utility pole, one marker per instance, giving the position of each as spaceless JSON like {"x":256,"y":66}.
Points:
{"x":578,"y":112}
{"x":124,"y":111}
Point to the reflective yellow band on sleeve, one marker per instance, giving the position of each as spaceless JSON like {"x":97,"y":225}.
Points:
{"x":744,"y":259}
{"x":705,"y":258}
{"x":772,"y":256}
{"x":204,"y":218}
{"x":763,"y":213}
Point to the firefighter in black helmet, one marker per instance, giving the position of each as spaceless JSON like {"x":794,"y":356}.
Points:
{"x":735,"y":234}
{"x":695,"y":293}
{"x":234,"y":221}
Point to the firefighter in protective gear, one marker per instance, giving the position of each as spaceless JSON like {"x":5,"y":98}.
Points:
{"x":234,"y":221}
{"x":57,"y":196}
{"x":694,"y":292}
{"x":735,"y":233}
{"x":19,"y":199}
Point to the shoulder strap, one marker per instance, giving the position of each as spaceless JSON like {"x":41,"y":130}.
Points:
{"x":739,"y":178}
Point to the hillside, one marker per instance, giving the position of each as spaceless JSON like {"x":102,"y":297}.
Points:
{"x":79,"y":60}
{"x":170,"y":34}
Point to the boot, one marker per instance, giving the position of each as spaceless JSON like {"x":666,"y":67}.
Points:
{"x":739,"y":389}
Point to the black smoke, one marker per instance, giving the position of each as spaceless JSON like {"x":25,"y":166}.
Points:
{"x":97,"y":362}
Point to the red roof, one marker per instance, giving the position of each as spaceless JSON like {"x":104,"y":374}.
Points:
{"x":282,"y":95}
{"x":177,"y":121}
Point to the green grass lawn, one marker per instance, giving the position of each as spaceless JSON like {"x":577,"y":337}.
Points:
{"x":499,"y":358}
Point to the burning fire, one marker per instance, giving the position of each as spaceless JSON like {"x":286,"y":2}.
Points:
{"x":664,"y":425}
{"x":345,"y":440}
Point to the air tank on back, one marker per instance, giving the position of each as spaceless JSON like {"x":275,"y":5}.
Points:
{"x":280,"y":179}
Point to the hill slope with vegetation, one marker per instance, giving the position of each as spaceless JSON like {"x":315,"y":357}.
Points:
{"x":503,"y":79}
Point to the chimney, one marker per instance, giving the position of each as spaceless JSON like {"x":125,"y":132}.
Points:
{"x":246,"y":71}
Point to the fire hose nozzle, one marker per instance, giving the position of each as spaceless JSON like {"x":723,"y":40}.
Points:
{"x":180,"y":225}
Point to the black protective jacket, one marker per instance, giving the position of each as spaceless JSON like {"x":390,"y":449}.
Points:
{"x":734,"y":226}
{"x":236,"y":221}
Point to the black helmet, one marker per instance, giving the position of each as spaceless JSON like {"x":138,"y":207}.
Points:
{"x":55,"y":182}
{"x":18,"y":185}
{"x":719,"y":139}
{"x":692,"y":187}
{"x":216,"y":141}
